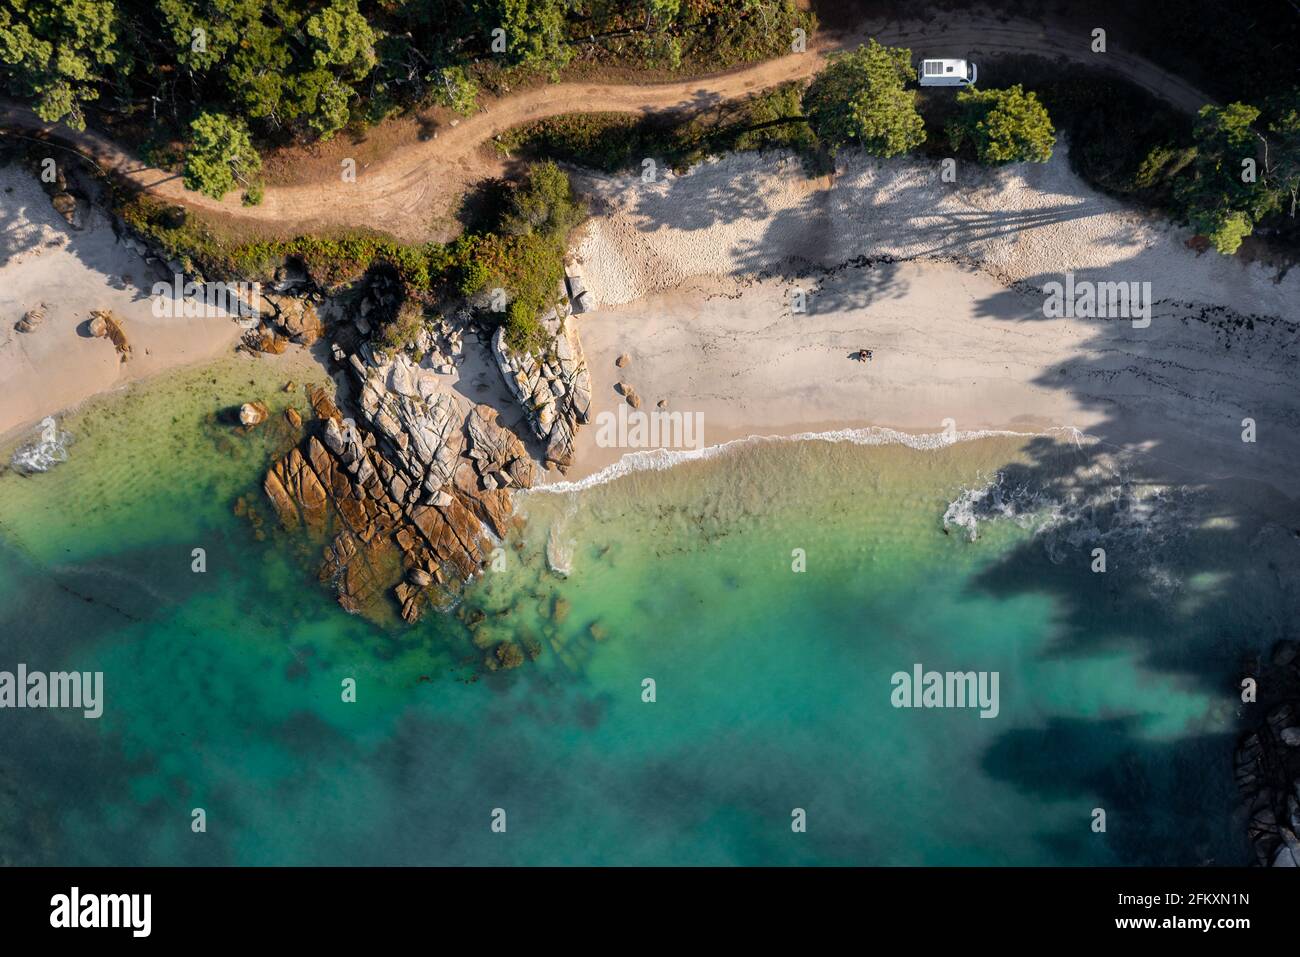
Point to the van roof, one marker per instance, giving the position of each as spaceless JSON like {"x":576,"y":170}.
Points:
{"x":940,"y":67}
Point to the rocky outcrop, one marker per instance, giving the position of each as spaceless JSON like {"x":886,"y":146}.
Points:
{"x":554,"y":388}
{"x":424,"y":426}
{"x":414,"y":496}
{"x":105,"y":325}
{"x":1268,"y":767}
{"x":279,"y":320}
{"x":296,"y":317}
{"x":578,"y":294}
{"x":497,"y":453}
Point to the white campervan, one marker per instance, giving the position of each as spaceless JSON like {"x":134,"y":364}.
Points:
{"x":947,"y":73}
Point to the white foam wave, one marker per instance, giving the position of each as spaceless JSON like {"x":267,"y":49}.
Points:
{"x":48,"y":450}
{"x":1095,"y":506}
{"x":656,"y":460}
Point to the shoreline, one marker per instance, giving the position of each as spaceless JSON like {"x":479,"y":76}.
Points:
{"x":739,"y":289}
{"x":58,"y":367}
{"x":702,"y":302}
{"x":659,"y":458}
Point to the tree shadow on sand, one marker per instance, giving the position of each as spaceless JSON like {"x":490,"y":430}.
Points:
{"x":1200,"y":532}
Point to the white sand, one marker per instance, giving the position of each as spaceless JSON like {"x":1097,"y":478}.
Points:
{"x":1030,"y":222}
{"x":957,"y":329}
{"x":43,"y":260}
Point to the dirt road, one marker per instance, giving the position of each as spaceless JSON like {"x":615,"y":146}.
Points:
{"x":413,"y":194}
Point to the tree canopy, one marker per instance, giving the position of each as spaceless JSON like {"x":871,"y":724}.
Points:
{"x":302,"y":70}
{"x":1003,"y":126}
{"x":861,"y":97}
{"x":58,"y":53}
{"x":220,"y":156}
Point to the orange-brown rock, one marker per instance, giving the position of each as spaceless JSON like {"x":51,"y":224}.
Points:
{"x":105,"y":324}
{"x":322,"y":404}
{"x":410,"y":519}
{"x":280,"y":498}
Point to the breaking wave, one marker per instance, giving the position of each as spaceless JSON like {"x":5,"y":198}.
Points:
{"x":47,"y":451}
{"x":1093,"y":505}
{"x":655,"y":460}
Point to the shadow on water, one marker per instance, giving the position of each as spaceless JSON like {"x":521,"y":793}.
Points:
{"x":1201,"y":529}
{"x":1154,"y":794}
{"x":1201,"y":542}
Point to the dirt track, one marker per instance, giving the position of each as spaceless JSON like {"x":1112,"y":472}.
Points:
{"x":414,"y":193}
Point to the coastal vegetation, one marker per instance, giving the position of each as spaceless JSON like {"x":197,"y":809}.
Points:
{"x":772,"y":119}
{"x":521,"y":251}
{"x":1227,"y":172}
{"x":302,"y":71}
{"x":524,"y":254}
{"x":861,"y":98}
{"x":1002,"y":126}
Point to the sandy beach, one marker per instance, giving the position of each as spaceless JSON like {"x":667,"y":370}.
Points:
{"x":43,"y":261}
{"x":699,"y":275}
{"x":740,"y":289}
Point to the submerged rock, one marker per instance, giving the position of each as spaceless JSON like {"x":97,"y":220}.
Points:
{"x":253,"y":414}
{"x":508,"y":655}
{"x":49,"y":449}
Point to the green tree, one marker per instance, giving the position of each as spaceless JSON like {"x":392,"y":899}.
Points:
{"x":544,"y":204}
{"x":861,"y":97}
{"x":56,"y":52}
{"x":220,"y":155}
{"x":1225,"y":196}
{"x":342,"y":53}
{"x":455,"y":88}
{"x":282,"y":62}
{"x":1003,"y":126}
{"x":535,"y":30}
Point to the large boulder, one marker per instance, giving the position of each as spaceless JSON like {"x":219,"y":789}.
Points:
{"x":253,"y":414}
{"x":105,"y":324}
{"x":297,"y":318}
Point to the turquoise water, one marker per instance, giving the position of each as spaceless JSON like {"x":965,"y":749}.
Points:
{"x":223,"y":689}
